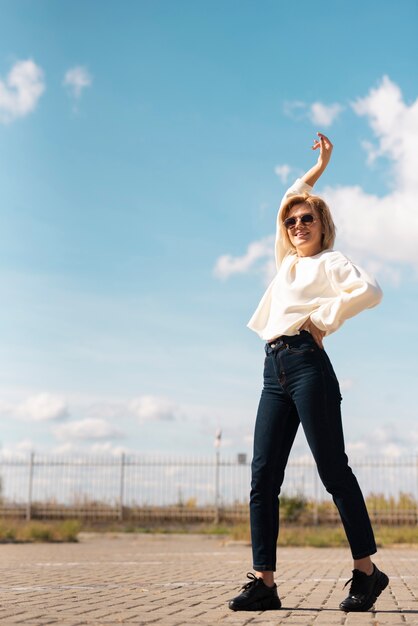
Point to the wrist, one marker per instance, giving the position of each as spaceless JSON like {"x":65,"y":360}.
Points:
{"x":322,"y":164}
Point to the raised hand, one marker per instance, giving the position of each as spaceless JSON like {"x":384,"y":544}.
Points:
{"x":325,"y":149}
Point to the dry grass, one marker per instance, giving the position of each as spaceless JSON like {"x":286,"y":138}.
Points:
{"x":330,"y":536}
{"x":322,"y":535}
{"x":22,"y":532}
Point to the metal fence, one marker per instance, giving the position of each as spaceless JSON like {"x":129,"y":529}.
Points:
{"x":144,"y":488}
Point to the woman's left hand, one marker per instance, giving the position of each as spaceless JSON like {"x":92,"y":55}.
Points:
{"x":316,"y":332}
{"x":325,"y":149}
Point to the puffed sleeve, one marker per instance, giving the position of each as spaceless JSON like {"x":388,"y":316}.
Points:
{"x":297,"y":188}
{"x":355,"y":291}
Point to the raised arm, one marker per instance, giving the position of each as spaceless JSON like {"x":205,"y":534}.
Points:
{"x":302,"y":185}
{"x":325,"y":150}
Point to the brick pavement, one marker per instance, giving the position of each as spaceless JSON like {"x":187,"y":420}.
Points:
{"x":185,"y":580}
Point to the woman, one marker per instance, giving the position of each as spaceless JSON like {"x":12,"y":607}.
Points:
{"x":314,"y":291}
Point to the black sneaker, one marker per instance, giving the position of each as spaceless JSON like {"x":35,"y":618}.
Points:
{"x":364,"y":590}
{"x":256,"y":596}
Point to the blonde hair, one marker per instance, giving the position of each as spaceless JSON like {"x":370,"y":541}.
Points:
{"x":314,"y":202}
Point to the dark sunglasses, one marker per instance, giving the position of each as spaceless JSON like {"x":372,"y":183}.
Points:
{"x":306,"y":219}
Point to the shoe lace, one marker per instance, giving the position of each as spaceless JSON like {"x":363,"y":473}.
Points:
{"x":356,"y":583}
{"x":253,"y":580}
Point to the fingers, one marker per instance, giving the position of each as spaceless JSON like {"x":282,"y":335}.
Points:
{"x":323,"y":139}
{"x":316,"y":332}
{"x":317,"y":335}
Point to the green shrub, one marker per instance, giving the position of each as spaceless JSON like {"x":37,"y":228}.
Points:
{"x":36,"y":531}
{"x":67,"y":530}
{"x":292,"y":507}
{"x":7,"y":533}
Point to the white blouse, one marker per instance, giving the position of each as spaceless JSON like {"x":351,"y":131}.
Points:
{"x":326,"y":287}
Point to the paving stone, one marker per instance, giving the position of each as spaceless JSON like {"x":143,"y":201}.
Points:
{"x":180,"y":580}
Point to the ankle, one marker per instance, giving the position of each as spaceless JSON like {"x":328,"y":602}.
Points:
{"x":267,"y":578}
{"x":365,"y":566}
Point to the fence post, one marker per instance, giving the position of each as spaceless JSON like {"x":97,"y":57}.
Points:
{"x":30,"y":482}
{"x":121,"y":485}
{"x":217,"y":494}
{"x":416,"y":499}
{"x":316,"y":497}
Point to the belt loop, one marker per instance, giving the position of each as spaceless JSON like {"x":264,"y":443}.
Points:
{"x":268,"y":349}
{"x":277,"y":343}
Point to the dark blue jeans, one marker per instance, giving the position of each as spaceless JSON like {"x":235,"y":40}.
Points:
{"x":300,"y":386}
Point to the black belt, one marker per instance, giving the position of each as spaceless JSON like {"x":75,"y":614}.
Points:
{"x":285,"y":340}
{"x":276,"y":343}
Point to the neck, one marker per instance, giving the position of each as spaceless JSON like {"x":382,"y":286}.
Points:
{"x":308,"y":252}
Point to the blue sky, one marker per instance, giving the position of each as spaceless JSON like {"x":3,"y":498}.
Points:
{"x":142,"y":143}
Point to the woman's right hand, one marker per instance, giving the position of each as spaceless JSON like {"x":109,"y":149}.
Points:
{"x":325,"y":149}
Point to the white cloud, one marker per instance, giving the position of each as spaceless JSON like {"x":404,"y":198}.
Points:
{"x":384,"y":229}
{"x":283,"y":172}
{"x":346,"y":384}
{"x":387,"y":440}
{"x":153,"y":408}
{"x":86,"y":429}
{"x":377,"y":231}
{"x":324,"y":115}
{"x":77,"y":78}
{"x":320,"y":114}
{"x":107,"y":410}
{"x":6,"y":408}
{"x":372,"y":152}
{"x":359,"y":448}
{"x":66,"y":448}
{"x":395,"y":125}
{"x":261,"y":250}
{"x":20,"y":92}
{"x":43,"y":407}
{"x":107,"y":448}
{"x":20,"y":449}
{"x":295,"y":109}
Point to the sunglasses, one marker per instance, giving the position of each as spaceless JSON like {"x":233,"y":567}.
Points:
{"x":305,"y":219}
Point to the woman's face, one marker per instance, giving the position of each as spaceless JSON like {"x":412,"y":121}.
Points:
{"x":307,"y":238}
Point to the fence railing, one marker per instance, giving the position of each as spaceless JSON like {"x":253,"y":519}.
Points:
{"x":139,"y":487}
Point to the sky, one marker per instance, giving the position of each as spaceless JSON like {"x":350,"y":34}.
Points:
{"x":144,"y":150}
